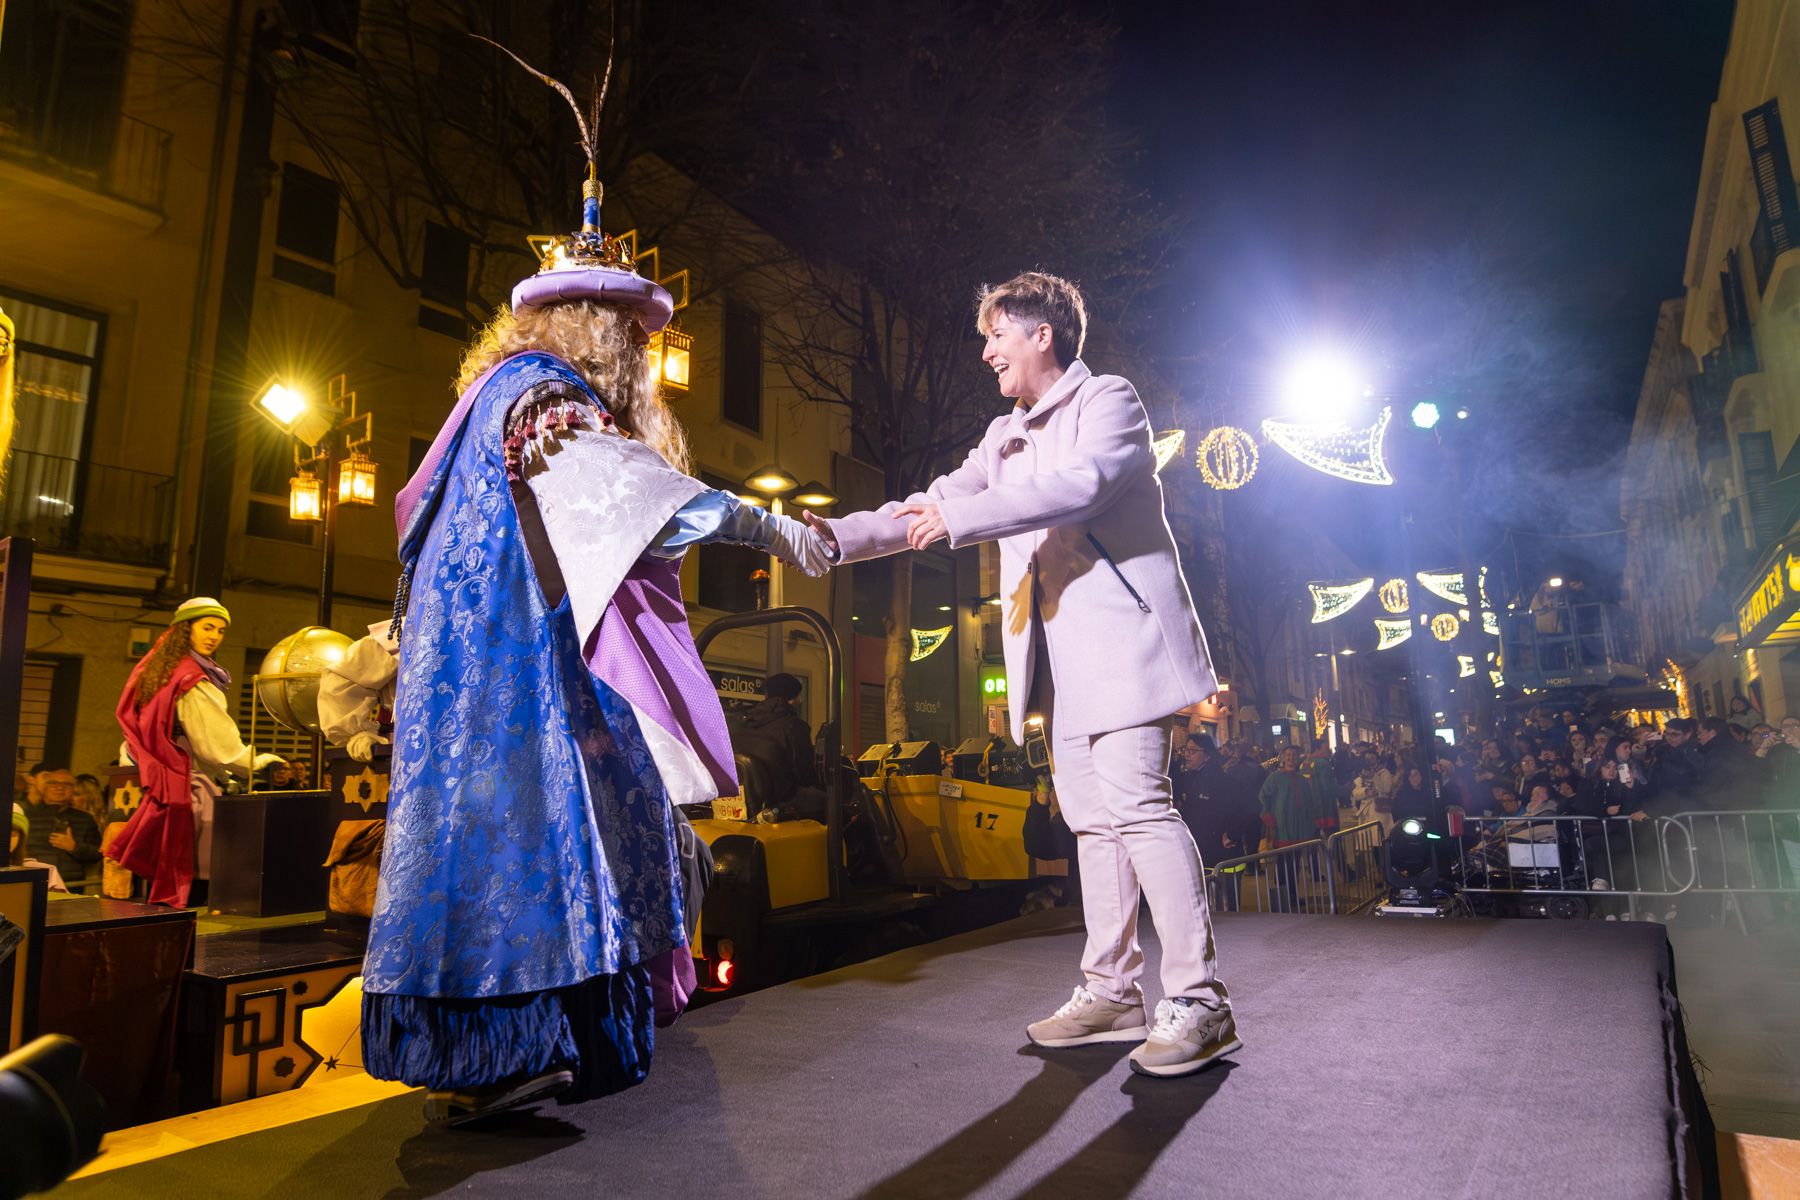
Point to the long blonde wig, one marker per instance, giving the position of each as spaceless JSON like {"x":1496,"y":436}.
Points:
{"x":605,"y":345}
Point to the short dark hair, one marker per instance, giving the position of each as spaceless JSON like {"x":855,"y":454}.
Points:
{"x":1036,"y":298}
{"x":1714,"y":725}
{"x":781,"y":686}
{"x":1682,"y":725}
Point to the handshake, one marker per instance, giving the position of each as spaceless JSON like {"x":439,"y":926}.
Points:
{"x":808,"y":545}
{"x":813,"y":547}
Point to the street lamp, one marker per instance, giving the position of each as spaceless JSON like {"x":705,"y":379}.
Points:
{"x":312,"y":497}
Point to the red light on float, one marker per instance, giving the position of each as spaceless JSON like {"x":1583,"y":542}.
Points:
{"x":726,"y":971}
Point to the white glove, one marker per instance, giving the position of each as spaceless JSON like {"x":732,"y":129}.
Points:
{"x":266,"y":760}
{"x":361,"y":746}
{"x":797,"y":544}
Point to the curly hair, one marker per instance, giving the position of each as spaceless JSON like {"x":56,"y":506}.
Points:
{"x":173,"y":646}
{"x":605,"y":346}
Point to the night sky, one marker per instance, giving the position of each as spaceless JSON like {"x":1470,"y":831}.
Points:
{"x":1481,"y":203}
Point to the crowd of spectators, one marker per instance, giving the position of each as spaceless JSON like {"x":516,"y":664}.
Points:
{"x":1245,"y":797}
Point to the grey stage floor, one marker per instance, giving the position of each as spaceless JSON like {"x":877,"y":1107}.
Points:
{"x":1382,"y":1058}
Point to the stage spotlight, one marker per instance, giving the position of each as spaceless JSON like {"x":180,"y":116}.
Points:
{"x":50,"y":1119}
{"x":1425,"y":415}
{"x":1414,"y":860}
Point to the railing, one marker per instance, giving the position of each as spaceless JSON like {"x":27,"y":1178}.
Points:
{"x":1358,"y":877}
{"x":68,"y":506}
{"x":1287,"y":879}
{"x":129,"y":160}
{"x":1620,"y":862}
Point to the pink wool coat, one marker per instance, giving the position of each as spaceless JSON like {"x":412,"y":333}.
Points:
{"x":1055,"y":484}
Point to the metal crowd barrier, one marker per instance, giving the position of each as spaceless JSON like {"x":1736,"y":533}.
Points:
{"x":1288,"y":879}
{"x":1358,"y":879}
{"x":1701,"y":853}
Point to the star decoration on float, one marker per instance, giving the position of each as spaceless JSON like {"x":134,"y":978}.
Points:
{"x":1166,"y":445}
{"x":1227,"y":458}
{"x":1347,"y":452}
{"x":925,"y":641}
{"x":1335,"y":599}
{"x":1391,"y":633}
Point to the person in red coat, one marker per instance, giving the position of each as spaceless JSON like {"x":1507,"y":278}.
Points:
{"x":180,"y":735}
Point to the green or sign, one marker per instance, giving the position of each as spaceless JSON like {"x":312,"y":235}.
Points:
{"x":993,"y":683}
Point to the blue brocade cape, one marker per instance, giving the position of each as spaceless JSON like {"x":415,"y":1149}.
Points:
{"x":530,"y":844}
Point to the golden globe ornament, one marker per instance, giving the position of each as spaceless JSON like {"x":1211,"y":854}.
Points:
{"x":1444,"y":626}
{"x":1227,"y":458}
{"x":1393,"y":595}
{"x":288,"y":683}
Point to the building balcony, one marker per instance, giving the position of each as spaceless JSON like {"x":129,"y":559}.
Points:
{"x":123,"y":161}
{"x":68,"y":506}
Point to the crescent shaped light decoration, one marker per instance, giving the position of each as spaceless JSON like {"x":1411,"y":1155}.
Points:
{"x":1448,"y":584}
{"x":1335,"y":599}
{"x":1348,"y":452}
{"x":925,"y":641}
{"x":1166,"y":446}
{"x":1391,"y":633}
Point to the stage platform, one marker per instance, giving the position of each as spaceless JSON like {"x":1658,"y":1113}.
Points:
{"x":1382,"y":1058}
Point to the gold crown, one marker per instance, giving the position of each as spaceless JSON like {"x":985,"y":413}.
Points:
{"x":589,"y":247}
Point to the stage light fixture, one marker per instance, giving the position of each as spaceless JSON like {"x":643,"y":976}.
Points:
{"x":1425,"y":415}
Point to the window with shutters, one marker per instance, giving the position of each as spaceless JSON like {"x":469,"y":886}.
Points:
{"x":1757,"y":452}
{"x":47,"y":697}
{"x":1776,"y":229}
{"x":444,"y":282}
{"x":306,"y":229}
{"x":740,"y":386}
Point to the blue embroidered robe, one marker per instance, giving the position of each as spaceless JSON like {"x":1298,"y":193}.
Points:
{"x":530,"y":869}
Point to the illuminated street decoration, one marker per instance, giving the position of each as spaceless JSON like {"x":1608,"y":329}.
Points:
{"x":924,"y":641}
{"x":1167,"y":445}
{"x":1391,"y":633}
{"x":1227,"y":458}
{"x":1393,"y":595}
{"x":1335,"y":599}
{"x":1444,"y":626}
{"x":1343,"y":451}
{"x":1498,"y":678}
{"x":1481,"y":586}
{"x":1448,"y":584}
{"x":1321,"y":714}
{"x":1465,"y":665}
{"x":1490,"y":624}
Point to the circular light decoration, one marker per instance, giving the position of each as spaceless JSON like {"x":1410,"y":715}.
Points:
{"x":1444,"y":626}
{"x":1393,"y":595}
{"x":1227,"y":458}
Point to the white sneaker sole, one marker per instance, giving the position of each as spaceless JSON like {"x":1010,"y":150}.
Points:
{"x":1092,"y":1039}
{"x":1174,"y":1070}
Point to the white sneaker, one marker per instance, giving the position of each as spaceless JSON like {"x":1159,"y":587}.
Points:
{"x":1086,"y":1019}
{"x":1186,"y":1038}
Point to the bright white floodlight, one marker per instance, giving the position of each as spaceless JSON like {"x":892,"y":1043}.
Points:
{"x":1322,"y":384}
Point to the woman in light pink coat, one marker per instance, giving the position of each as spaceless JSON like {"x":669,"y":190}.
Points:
{"x":1100,"y":634}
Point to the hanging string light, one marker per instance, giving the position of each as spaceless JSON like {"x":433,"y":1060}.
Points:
{"x":1227,"y":458}
{"x":1335,"y":599}
{"x":1391,"y":633}
{"x":1444,"y":626}
{"x":1393,"y":595}
{"x":1348,"y":453}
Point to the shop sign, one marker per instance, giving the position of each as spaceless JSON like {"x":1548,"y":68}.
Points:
{"x":1769,"y":612}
